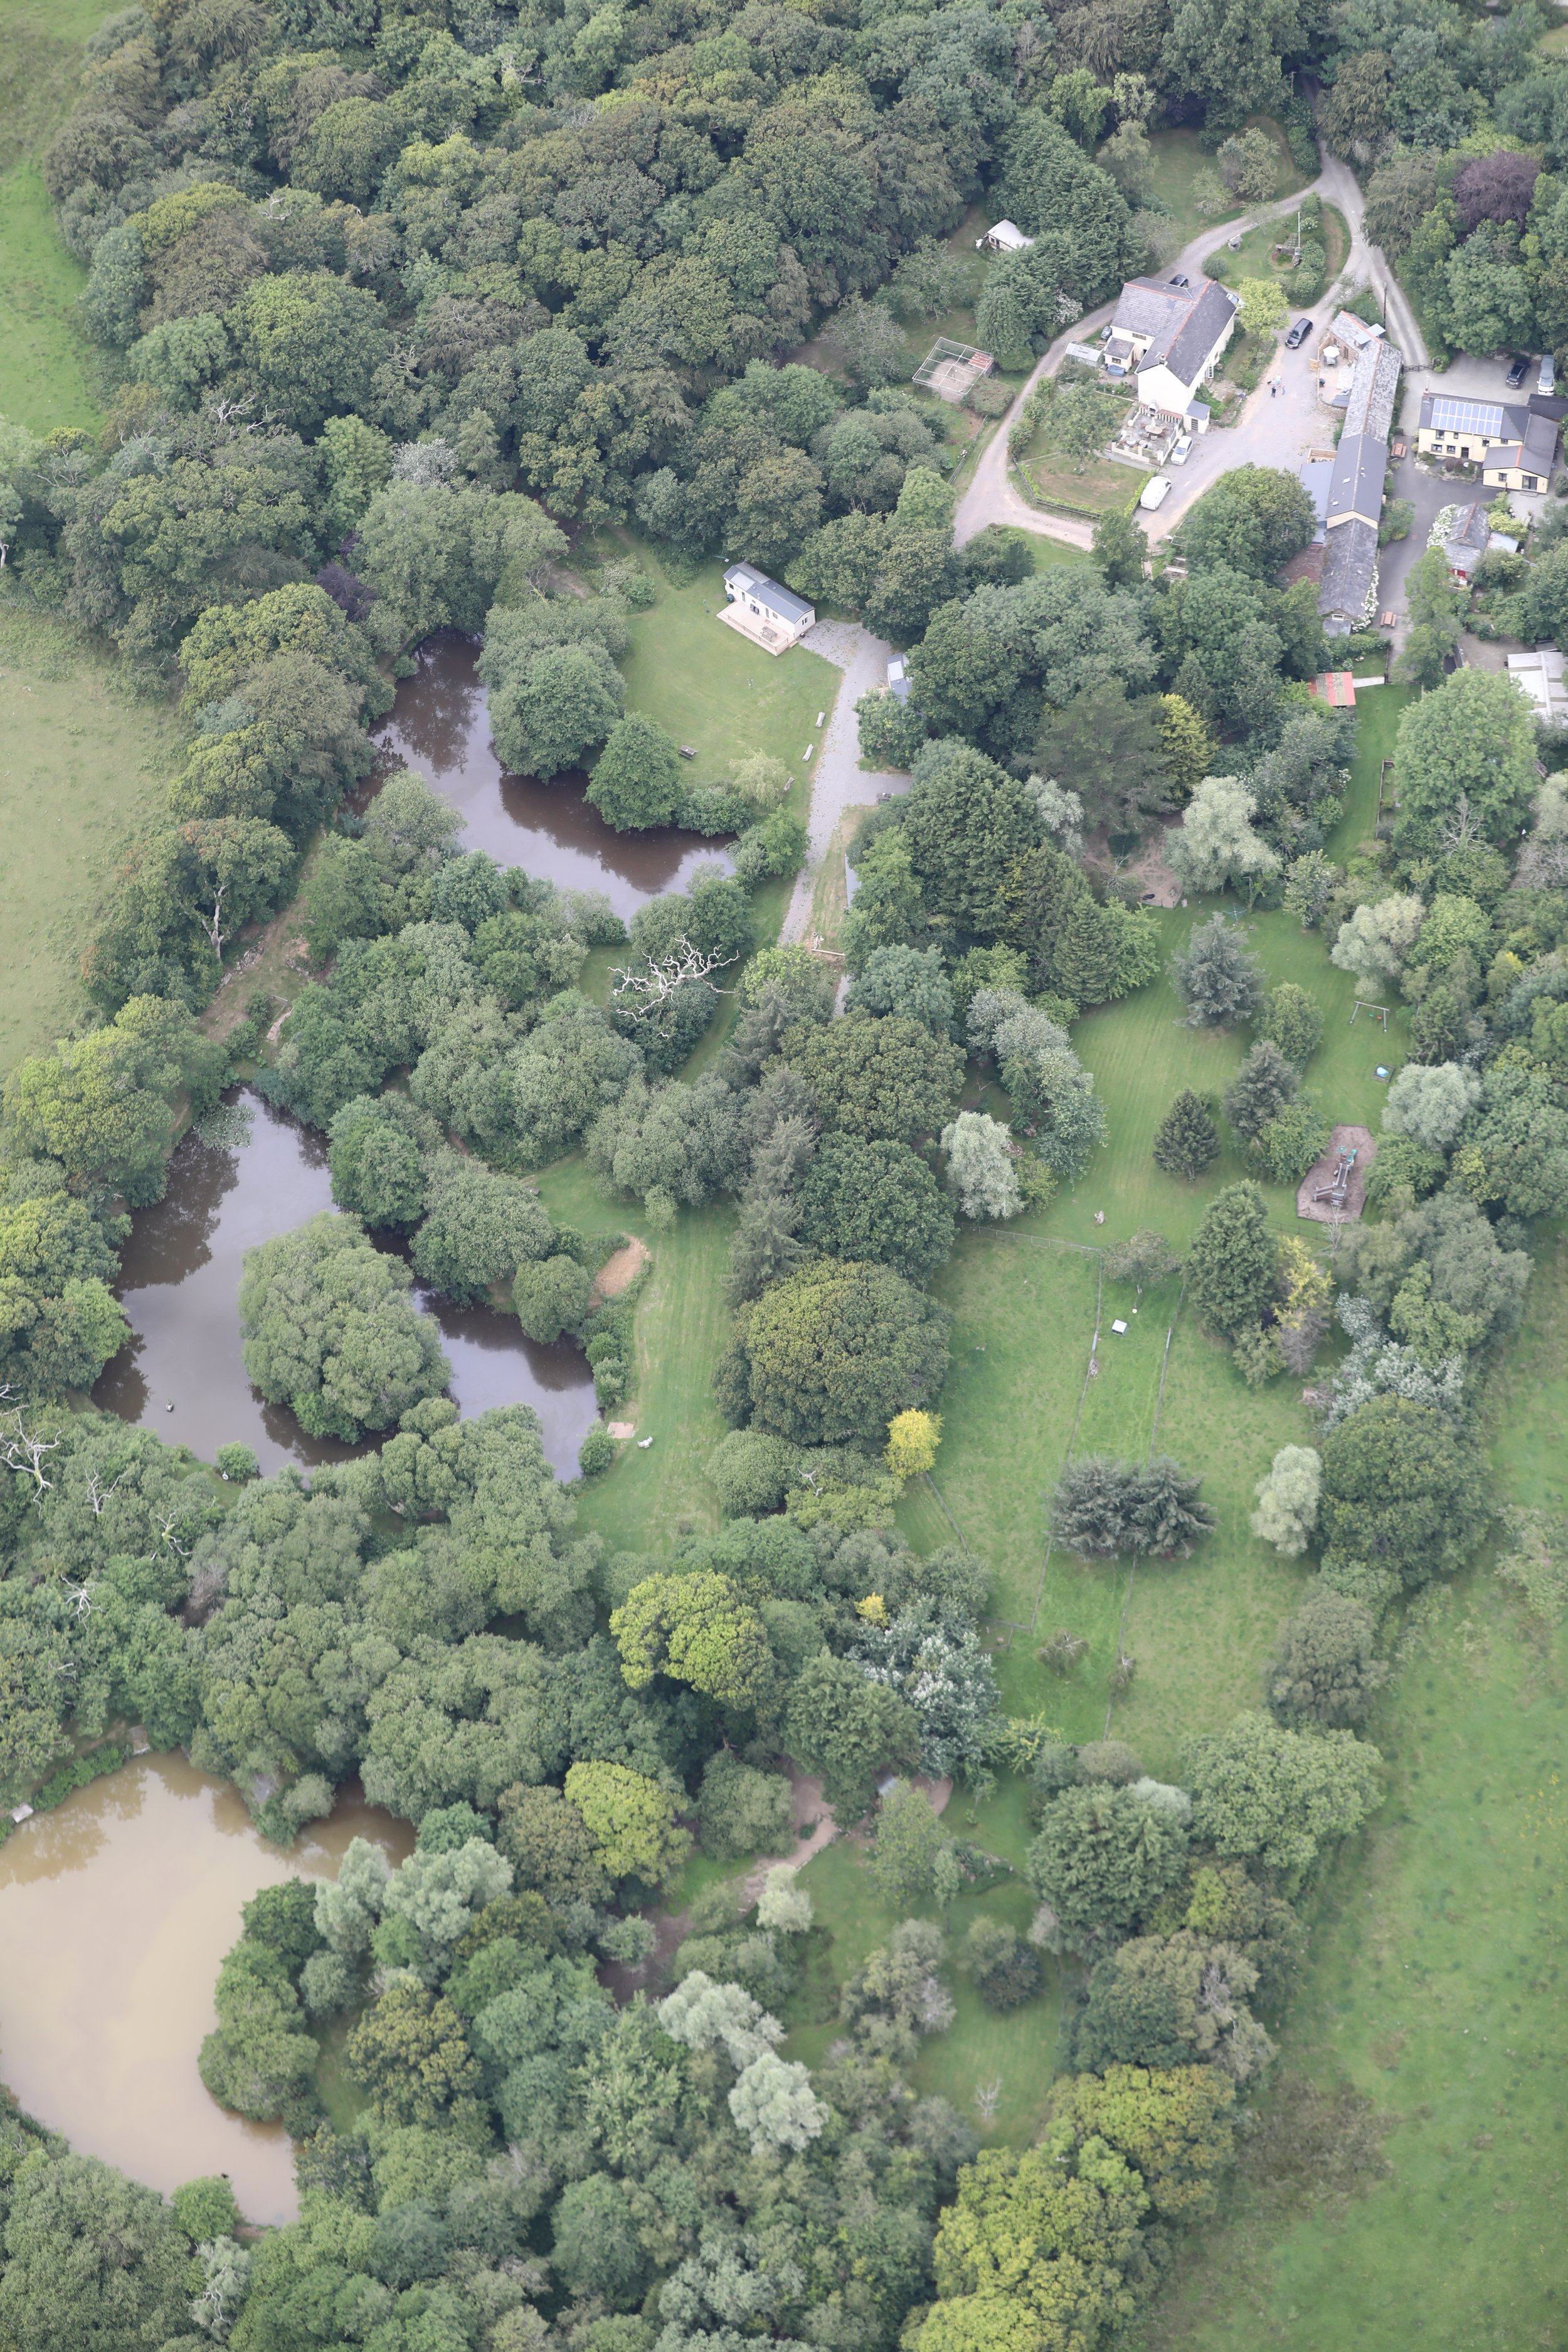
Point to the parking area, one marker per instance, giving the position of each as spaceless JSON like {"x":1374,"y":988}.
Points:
{"x":1277,"y":426}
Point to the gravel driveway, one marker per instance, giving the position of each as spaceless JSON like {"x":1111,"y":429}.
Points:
{"x":838,"y":780}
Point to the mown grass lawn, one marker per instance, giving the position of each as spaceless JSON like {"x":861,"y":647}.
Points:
{"x":82,"y":770}
{"x":682,"y":1323}
{"x":1102,"y":487}
{"x":1178,"y":160}
{"x":712,"y":690}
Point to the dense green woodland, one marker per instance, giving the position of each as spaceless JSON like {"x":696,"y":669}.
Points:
{"x":436,"y":317}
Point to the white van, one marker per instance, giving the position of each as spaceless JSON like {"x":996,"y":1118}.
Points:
{"x":1155,"y":492}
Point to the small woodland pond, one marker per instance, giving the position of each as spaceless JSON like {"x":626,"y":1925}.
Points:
{"x":179,"y":1283}
{"x":439,"y":725}
{"x":116,"y":1910}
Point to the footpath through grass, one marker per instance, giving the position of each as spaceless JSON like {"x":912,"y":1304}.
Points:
{"x":82,"y":770}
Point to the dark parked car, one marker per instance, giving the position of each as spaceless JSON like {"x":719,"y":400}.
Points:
{"x":1517,"y":373}
{"x":1297,"y":334}
{"x":1179,"y":280}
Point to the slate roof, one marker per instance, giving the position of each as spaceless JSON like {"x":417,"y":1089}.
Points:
{"x":1534,"y":449}
{"x":1350,"y":572}
{"x":1370,"y":408}
{"x":1316,"y":475}
{"x":1471,"y":530}
{"x":1494,"y":420}
{"x":1355,"y":487}
{"x":1183,"y":323}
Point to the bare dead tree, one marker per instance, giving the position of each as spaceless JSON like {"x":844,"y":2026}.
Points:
{"x":1062,"y":1652}
{"x":1459,"y":830}
{"x":987,"y":2099}
{"x":212,"y":922}
{"x":643,"y":992}
{"x":166,"y":1535}
{"x":1543,"y":865}
{"x":27,"y":1454}
{"x":97,"y":1495}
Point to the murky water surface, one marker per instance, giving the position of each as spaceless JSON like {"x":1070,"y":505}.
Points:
{"x":440,"y":726}
{"x":179,"y":1284}
{"x":115,"y":1912}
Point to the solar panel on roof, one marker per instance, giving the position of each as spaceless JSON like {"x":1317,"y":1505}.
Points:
{"x":1467,"y":416}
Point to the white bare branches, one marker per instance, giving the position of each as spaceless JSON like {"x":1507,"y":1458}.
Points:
{"x":97,"y":1494}
{"x":27,"y":1454}
{"x":167,"y":1537}
{"x":641,"y":992}
{"x":1459,"y":830}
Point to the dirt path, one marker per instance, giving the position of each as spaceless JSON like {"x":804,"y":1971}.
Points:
{"x":807,"y":1804}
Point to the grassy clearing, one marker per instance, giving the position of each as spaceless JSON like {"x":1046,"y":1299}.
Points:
{"x":1047,"y":551}
{"x":1019,"y":1397}
{"x":682,"y":1322}
{"x":1336,"y":241}
{"x":82,"y":775}
{"x":1019,"y":2048}
{"x":1378,"y":713}
{"x":1434,"y":1985}
{"x":48,"y":373}
{"x":1255,"y":257}
{"x":1142,"y":1054}
{"x":1178,"y":160}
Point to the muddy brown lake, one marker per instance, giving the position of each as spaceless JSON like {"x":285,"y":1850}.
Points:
{"x":179,"y":1284}
{"x":116,"y":1910}
{"x":439,"y":725}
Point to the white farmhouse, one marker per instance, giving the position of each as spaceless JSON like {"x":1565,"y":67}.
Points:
{"x":1174,"y":337}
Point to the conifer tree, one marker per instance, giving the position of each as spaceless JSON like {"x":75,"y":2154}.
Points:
{"x":1186,"y":1140}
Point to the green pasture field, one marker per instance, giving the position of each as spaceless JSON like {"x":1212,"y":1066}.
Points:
{"x":82,"y":775}
{"x":48,"y":375}
{"x":1434,"y":1985}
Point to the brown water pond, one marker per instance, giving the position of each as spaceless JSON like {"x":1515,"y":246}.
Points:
{"x":439,"y":725}
{"x":115,"y":1912}
{"x":179,"y":1284}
